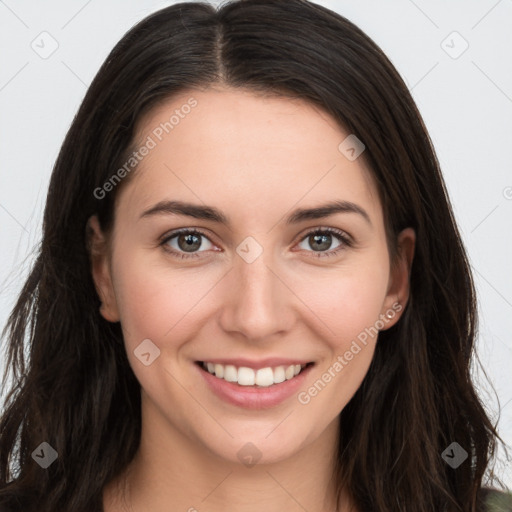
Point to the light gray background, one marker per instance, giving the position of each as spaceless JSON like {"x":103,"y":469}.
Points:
{"x":466,"y":103}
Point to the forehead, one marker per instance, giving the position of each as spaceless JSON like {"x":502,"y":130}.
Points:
{"x":244,"y":151}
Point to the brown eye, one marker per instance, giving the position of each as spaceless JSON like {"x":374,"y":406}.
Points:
{"x":186,"y":243}
{"x":321,"y":242}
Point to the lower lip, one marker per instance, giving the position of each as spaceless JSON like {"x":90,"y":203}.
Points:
{"x":253,"y":397}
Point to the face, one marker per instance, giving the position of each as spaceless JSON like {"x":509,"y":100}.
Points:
{"x":256,"y":284}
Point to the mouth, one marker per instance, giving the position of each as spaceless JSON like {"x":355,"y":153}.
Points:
{"x":250,"y":385}
{"x":245,"y":376}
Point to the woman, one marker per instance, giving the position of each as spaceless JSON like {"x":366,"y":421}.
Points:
{"x":251,"y":290}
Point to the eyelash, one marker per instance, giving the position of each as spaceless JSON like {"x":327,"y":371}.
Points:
{"x":346,"y":242}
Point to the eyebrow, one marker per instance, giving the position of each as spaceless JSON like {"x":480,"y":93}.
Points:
{"x":215,"y":215}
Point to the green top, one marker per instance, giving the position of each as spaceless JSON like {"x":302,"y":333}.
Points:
{"x":497,"y":501}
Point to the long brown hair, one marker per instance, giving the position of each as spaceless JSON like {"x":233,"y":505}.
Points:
{"x":72,"y":384}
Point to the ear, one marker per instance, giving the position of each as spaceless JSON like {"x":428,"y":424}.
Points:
{"x":100,"y":267}
{"x":399,"y":284}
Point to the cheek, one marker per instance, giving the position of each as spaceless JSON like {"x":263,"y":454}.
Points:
{"x":351,"y":311}
{"x":347,"y":300}
{"x":347,"y":308}
{"x":157,"y":303}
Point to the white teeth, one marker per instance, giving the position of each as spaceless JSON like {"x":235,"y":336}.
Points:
{"x":244,"y":376}
{"x":219,"y":371}
{"x":264,"y":377}
{"x":230,"y":373}
{"x":279,"y":375}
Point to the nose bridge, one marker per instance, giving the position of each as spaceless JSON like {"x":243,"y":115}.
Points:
{"x":257,"y":297}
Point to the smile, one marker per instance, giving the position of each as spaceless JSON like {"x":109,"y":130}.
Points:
{"x":254,"y":384}
{"x":244,"y":376}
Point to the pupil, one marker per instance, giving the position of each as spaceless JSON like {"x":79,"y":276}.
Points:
{"x":322,"y":239}
{"x":190,"y":241}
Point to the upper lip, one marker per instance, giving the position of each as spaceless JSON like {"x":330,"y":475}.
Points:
{"x":256,"y":365}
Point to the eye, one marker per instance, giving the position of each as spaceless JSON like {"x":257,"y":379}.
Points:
{"x":321,"y":238}
{"x":185,"y":243}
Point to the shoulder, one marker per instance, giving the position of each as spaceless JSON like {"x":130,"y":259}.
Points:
{"x":495,"y":500}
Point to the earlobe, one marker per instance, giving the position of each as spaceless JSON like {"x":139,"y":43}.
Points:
{"x":98,"y":253}
{"x":399,"y":284}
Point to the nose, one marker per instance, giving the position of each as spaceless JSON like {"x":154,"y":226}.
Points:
{"x":258,"y":303}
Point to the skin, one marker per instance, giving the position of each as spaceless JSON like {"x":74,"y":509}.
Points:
{"x":256,"y":159}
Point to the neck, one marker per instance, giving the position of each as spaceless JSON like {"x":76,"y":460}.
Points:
{"x":171,"y":469}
